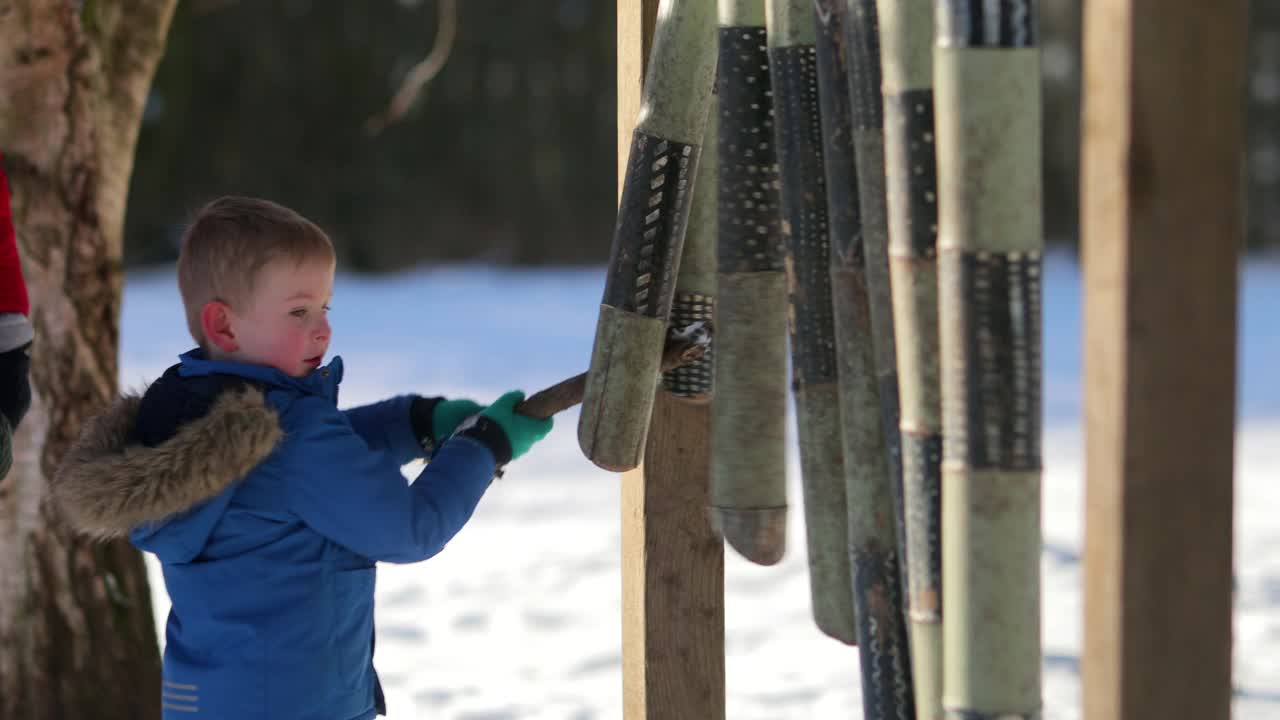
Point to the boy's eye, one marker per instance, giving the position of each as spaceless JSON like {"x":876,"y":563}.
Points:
{"x":325,"y":308}
{"x":298,"y":312}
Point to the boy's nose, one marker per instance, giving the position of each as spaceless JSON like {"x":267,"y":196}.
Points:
{"x":322,"y":330}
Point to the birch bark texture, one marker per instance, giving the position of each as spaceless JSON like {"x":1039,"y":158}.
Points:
{"x":77,"y":634}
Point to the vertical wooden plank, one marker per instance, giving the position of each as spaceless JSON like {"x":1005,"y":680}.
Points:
{"x":636,"y":21}
{"x":672,"y":563}
{"x":1162,"y":222}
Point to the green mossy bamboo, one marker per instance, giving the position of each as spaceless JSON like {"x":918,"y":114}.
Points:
{"x":742,"y":14}
{"x":696,"y":281}
{"x":987,"y":75}
{"x":906,"y":53}
{"x":882,"y":633}
{"x":793,"y":70}
{"x":749,"y":412}
{"x":649,"y":236}
{"x":867,"y":108}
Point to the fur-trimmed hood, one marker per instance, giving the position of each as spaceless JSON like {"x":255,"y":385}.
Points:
{"x":110,"y":482}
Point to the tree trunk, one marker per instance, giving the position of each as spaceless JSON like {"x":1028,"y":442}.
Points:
{"x":77,"y":635}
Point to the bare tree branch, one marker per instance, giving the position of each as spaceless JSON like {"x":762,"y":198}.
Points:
{"x":423,"y":72}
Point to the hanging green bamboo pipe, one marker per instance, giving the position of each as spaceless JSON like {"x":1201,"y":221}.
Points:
{"x":695,"y":289}
{"x":798,"y":133}
{"x":749,"y":412}
{"x":987,"y":75}
{"x":906,"y":53}
{"x":649,"y":236}
{"x":882,"y":632}
{"x":866,"y":105}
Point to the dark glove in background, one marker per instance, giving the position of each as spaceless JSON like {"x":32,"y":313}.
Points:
{"x":15,"y":384}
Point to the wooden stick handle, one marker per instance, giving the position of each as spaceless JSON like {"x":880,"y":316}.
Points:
{"x":679,"y":351}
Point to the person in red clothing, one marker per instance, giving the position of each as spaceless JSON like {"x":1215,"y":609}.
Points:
{"x":15,"y":331}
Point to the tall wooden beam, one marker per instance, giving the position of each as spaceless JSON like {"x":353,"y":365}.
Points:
{"x":672,"y":563}
{"x":1162,"y":224}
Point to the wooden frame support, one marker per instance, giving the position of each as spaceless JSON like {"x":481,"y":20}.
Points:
{"x":672,"y":562}
{"x":1162,"y":221}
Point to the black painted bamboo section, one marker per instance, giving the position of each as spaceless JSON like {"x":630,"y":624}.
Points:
{"x":750,"y":230}
{"x":993,"y":378}
{"x":922,"y":459}
{"x":749,"y":409}
{"x":987,"y":75}
{"x":987,"y":23}
{"x":882,"y":642}
{"x":793,"y":68}
{"x":652,"y":218}
{"x":882,"y":632}
{"x":862,"y":38}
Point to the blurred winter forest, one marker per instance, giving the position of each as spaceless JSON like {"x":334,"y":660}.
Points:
{"x":508,"y":155}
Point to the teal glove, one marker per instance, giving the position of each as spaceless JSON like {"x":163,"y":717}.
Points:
{"x":434,"y":419}
{"x":522,"y":431}
{"x":449,"y":414}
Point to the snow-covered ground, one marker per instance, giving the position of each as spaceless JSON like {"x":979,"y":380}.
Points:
{"x":520,"y":617}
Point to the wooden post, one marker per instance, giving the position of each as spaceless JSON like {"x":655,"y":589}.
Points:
{"x":672,"y":563}
{"x":1161,"y":219}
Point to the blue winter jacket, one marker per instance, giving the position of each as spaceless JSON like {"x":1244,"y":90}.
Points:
{"x":268,"y":507}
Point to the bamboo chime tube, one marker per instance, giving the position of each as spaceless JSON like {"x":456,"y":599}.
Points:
{"x":882,"y":633}
{"x":798,"y":131}
{"x":649,"y":236}
{"x":749,"y":411}
{"x":906,"y":52}
{"x":863,"y":47}
{"x":695,"y":289}
{"x":987,"y":75}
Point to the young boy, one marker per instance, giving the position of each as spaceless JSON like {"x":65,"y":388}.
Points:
{"x":266,"y":505}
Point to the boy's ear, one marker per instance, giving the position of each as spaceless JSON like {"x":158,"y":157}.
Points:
{"x":215,"y":321}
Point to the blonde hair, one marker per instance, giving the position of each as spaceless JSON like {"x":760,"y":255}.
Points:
{"x":229,"y":241}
